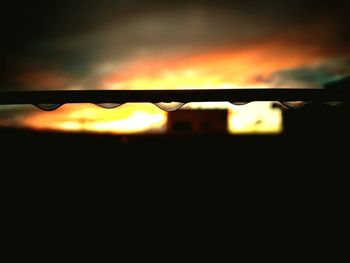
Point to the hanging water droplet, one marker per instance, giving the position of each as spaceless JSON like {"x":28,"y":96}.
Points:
{"x":334,"y":103}
{"x":171,"y":106}
{"x":48,"y":106}
{"x":294,"y":104}
{"x":239,"y":103}
{"x":109,"y":105}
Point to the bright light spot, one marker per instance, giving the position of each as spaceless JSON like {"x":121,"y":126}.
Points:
{"x":137,"y":122}
{"x":255,"y":117}
{"x":128,"y":119}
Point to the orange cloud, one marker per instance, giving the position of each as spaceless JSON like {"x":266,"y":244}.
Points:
{"x":237,"y":67}
{"x":44,"y":80}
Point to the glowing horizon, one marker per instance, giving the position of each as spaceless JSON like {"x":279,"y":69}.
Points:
{"x":248,"y":67}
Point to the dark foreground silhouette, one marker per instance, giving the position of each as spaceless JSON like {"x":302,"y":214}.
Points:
{"x":299,"y":172}
{"x":315,"y":135}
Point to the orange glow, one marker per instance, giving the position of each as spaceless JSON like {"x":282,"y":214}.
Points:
{"x":225,"y":69}
{"x":129,"y":118}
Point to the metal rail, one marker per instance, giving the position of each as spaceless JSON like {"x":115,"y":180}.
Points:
{"x":183,"y":96}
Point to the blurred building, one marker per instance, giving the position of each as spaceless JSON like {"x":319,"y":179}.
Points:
{"x":198,"y":121}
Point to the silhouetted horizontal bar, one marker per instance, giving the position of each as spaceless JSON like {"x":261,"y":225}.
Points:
{"x":155,"y":96}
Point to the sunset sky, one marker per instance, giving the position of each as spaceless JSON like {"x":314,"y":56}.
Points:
{"x":166,"y":45}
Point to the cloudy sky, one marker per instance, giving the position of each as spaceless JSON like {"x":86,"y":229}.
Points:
{"x":88,"y":43}
{"x":129,"y":44}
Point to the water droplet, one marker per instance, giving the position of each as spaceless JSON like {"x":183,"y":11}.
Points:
{"x":171,"y":106}
{"x":239,"y":103}
{"x":48,"y":106}
{"x":109,"y":105}
{"x":294,"y":104}
{"x":334,"y":103}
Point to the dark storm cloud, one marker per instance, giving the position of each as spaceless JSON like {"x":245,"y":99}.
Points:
{"x":312,"y":76}
{"x":71,"y":38}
